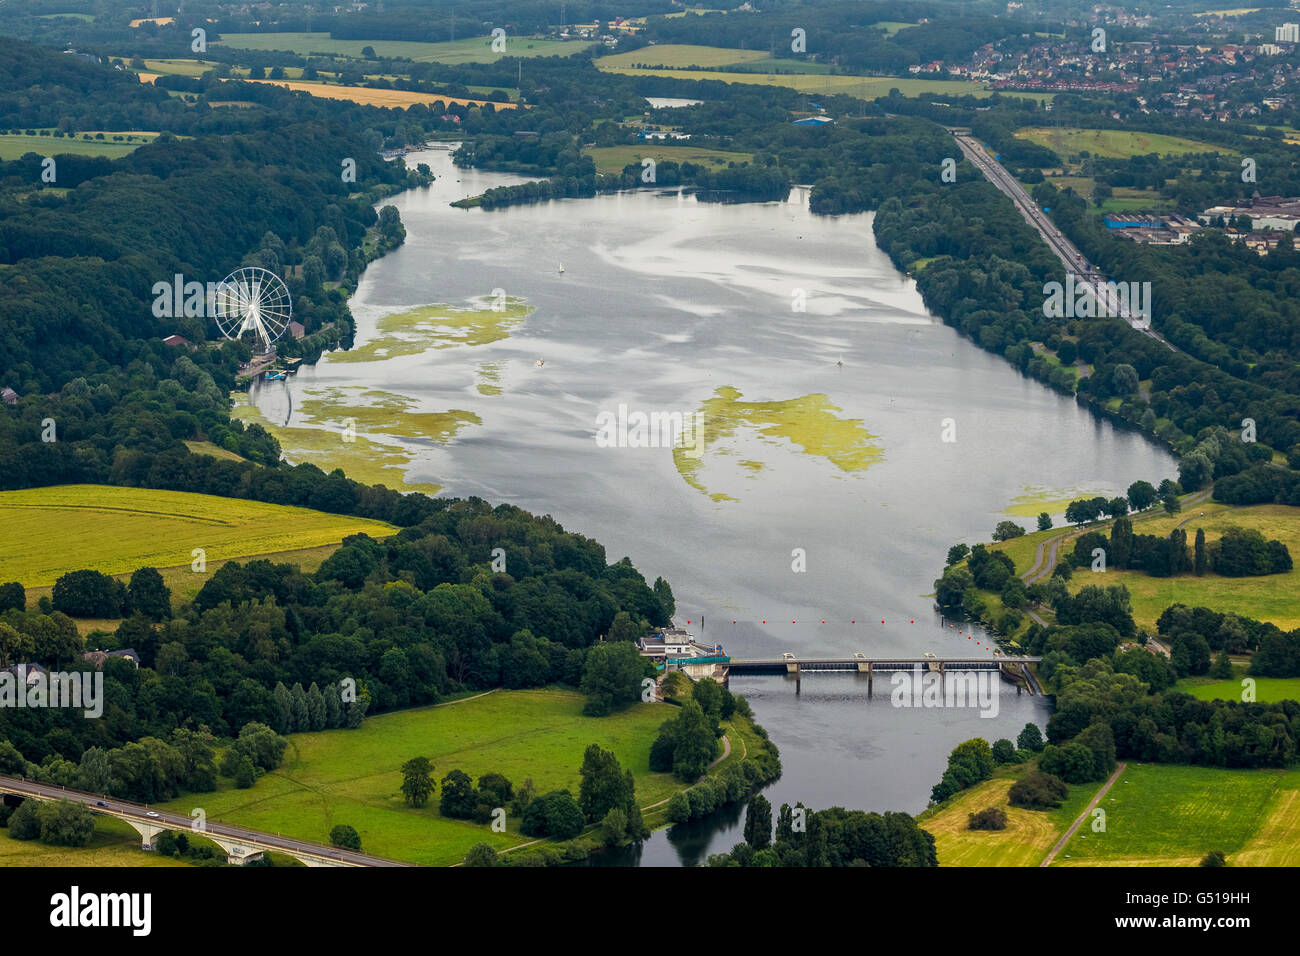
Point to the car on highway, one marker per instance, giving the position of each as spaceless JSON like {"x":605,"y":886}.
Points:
{"x":151,"y":813}
{"x":100,"y":803}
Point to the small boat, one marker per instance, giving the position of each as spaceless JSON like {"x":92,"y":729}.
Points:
{"x":274,"y":376}
{"x":540,"y":363}
{"x":561,"y":268}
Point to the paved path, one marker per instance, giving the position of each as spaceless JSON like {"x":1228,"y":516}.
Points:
{"x":1060,"y":844}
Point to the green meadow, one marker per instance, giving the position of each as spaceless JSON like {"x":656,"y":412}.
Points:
{"x":354,"y":776}
{"x":1164,"y":815}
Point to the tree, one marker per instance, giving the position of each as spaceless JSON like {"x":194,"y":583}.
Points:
{"x":146,"y":594}
{"x":368,"y":52}
{"x":417,"y":781}
{"x":1006,"y":530}
{"x":1213,"y":858}
{"x":481,"y":855}
{"x":1201,"y":560}
{"x":345,"y":837}
{"x":1222,"y":667}
{"x":13,"y":597}
{"x":612,"y":677}
{"x":990,"y":818}
{"x":555,"y":814}
{"x":614,"y":827}
{"x":1044,"y":521}
{"x":25,"y":822}
{"x":89,"y":594}
{"x":1038,"y":791}
{"x":758,"y":822}
{"x":458,"y":798}
{"x":1004,"y":751}
{"x":1031,"y":738}
{"x":957,"y":552}
{"x":1124,"y":380}
{"x":245,"y":773}
{"x":1141,"y":495}
{"x":603,"y":785}
{"x":694,"y":743}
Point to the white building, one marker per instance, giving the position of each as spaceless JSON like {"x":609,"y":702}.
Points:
{"x":1287,"y":33}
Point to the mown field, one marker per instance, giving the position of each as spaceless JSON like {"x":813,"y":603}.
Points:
{"x":16,"y":145}
{"x":1269,"y":597}
{"x":612,"y":159}
{"x":865,"y":87}
{"x":354,"y":776}
{"x":681,"y":55}
{"x":1113,"y":143}
{"x":1029,"y":835}
{"x":372,"y":97}
{"x":1163,"y":815}
{"x":1267,"y":689}
{"x":50,"y":531}
{"x":468,"y":50}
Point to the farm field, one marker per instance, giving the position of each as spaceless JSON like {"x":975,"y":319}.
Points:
{"x":53,"y":530}
{"x":354,"y":776}
{"x":612,"y":159}
{"x":1029,"y":835}
{"x":865,"y":87}
{"x":1267,"y":689}
{"x":469,"y":50}
{"x":16,"y":145}
{"x":373,"y":97}
{"x":1113,"y":143}
{"x":1166,"y":815}
{"x":682,"y":55}
{"x":1270,"y":597}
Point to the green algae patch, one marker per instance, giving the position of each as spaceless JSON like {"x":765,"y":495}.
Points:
{"x":430,"y":327}
{"x":379,"y":412}
{"x":810,"y":423}
{"x":489,"y":374}
{"x":331,"y":436}
{"x":1036,"y":500}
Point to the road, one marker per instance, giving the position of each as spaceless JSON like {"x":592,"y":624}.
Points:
{"x":1060,"y":844}
{"x":1068,"y":253}
{"x":134,"y":811}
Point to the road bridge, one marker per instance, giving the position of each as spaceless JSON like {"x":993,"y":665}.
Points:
{"x":240,"y":843}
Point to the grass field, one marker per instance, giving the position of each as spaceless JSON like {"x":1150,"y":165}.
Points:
{"x":681,"y":55}
{"x":1163,"y":815}
{"x":612,"y":159}
{"x":114,"y":844}
{"x":1270,"y":597}
{"x":208,"y":448}
{"x":1267,"y":689}
{"x":354,"y":776}
{"x":1113,"y":143}
{"x":469,"y":50}
{"x":50,"y":531}
{"x":16,"y":145}
{"x":891,"y":26}
{"x":1029,"y":835}
{"x":865,"y":87}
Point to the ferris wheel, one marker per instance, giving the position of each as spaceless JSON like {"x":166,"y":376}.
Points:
{"x":253,"y":300}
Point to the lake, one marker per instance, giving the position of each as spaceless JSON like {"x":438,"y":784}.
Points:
{"x":826,"y":487}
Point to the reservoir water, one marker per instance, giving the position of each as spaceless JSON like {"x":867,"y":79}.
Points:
{"x":827,"y":489}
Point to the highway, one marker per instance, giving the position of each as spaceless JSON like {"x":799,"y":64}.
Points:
{"x":1066,"y":251}
{"x":125,"y":810}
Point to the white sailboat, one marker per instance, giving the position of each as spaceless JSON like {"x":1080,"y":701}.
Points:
{"x":561,"y":264}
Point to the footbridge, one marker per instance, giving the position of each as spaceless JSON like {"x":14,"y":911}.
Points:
{"x":241,"y":844}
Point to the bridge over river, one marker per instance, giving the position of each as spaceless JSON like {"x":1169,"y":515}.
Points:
{"x":721,"y":668}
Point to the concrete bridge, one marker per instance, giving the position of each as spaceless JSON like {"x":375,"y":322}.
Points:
{"x":861,"y":664}
{"x":241,"y":845}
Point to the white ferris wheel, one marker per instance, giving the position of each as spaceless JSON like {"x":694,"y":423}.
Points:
{"x":255,"y":302}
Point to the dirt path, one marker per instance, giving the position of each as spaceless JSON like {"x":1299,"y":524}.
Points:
{"x":1060,"y":844}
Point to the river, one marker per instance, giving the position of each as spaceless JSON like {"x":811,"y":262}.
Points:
{"x":802,"y":510}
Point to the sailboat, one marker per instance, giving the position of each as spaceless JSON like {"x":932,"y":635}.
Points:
{"x":561,"y":268}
